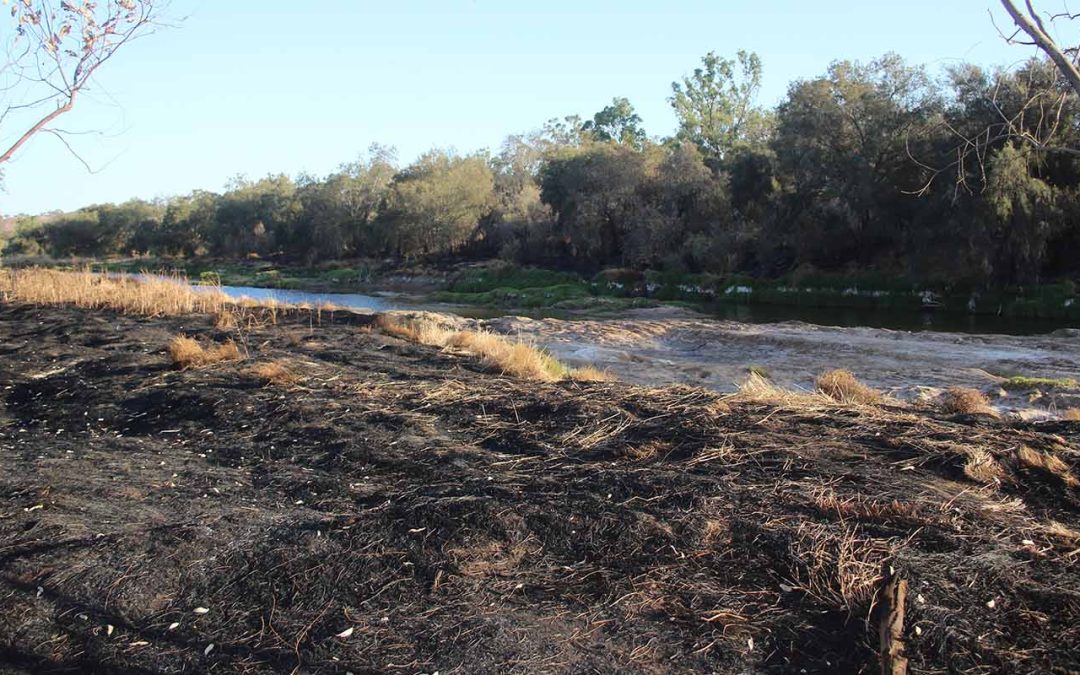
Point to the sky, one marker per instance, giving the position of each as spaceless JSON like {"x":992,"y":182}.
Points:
{"x":238,"y":87}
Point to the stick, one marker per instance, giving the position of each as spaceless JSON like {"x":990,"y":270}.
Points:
{"x":892,"y":596}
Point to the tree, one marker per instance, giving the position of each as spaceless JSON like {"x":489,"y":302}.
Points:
{"x":1031,"y":24}
{"x":842,"y":148}
{"x":715,"y":105}
{"x":54,"y":52}
{"x":436,"y":204}
{"x":616,"y":123}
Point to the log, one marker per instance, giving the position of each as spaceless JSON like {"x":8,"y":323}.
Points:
{"x":891,"y":597}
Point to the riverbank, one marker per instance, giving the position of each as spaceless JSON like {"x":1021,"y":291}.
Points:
{"x":887,"y":301}
{"x":392,"y":507}
{"x":1033,"y":377}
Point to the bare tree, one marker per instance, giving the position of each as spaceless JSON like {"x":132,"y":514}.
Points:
{"x":1033,"y":110}
{"x":54,"y":52}
{"x":1029,"y":22}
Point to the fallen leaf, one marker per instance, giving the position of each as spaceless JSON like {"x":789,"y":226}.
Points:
{"x":209,"y":648}
{"x":345,"y":633}
{"x":201,"y":610}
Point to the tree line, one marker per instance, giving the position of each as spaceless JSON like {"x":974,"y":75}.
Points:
{"x":965,"y":176}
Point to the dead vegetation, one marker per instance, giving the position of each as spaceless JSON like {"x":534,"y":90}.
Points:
{"x":1072,"y":415}
{"x":505,"y":355}
{"x":404,"y":511}
{"x":187,"y":352}
{"x":148,"y":295}
{"x":841,"y":385}
{"x":1047,"y":464}
{"x":276,"y":373}
{"x":965,"y":401}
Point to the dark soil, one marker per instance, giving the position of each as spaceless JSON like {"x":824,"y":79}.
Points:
{"x":455,"y":520}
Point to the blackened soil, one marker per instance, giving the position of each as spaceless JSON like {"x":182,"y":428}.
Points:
{"x":400,"y":509}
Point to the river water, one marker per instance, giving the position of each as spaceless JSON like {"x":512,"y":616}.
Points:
{"x":752,"y":314}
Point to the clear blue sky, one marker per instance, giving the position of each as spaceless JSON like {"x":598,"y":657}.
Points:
{"x":248,"y":87}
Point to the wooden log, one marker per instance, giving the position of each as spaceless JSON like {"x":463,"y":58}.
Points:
{"x":891,"y":597}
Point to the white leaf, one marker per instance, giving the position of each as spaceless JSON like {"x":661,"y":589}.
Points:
{"x":345,"y":633}
{"x":109,"y":630}
{"x":209,"y":648}
{"x":201,"y":610}
{"x":174,"y":625}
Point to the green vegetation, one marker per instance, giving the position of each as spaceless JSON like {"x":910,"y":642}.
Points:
{"x":847,"y":194}
{"x":1024,"y":382}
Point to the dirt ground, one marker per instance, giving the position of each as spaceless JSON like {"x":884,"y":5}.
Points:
{"x":401,"y":510}
{"x":668,"y":345}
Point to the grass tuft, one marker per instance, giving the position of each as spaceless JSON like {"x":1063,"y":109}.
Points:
{"x":1072,"y":415}
{"x":189,"y":353}
{"x":840,"y":385}
{"x":275,"y":373}
{"x":1046,"y":463}
{"x":965,"y":401}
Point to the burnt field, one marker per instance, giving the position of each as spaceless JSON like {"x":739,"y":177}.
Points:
{"x":341,"y":499}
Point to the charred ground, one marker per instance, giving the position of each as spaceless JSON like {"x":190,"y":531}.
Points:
{"x":399,"y":509}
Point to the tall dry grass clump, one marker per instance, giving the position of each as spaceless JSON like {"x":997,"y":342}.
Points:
{"x":147,"y":295}
{"x":1072,"y":415}
{"x":841,"y":385}
{"x":965,"y":401}
{"x":758,"y":389}
{"x":188,"y":352}
{"x":510,"y":357}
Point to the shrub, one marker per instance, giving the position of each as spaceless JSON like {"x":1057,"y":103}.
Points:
{"x":841,"y":385}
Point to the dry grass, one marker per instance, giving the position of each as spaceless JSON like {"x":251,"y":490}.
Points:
{"x":1072,"y":415}
{"x":981,"y":467}
{"x":149,"y":296}
{"x":965,"y":401}
{"x":189,"y":353}
{"x":275,"y":373}
{"x":1046,"y":463}
{"x":757,"y":389}
{"x":840,"y":385}
{"x":590,"y":374}
{"x":510,"y":357}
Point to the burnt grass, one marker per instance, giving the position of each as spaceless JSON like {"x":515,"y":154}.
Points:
{"x":456,"y":520}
